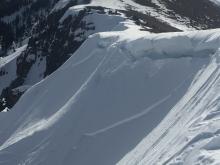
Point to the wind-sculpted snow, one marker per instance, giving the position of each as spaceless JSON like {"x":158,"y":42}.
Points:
{"x":114,"y":91}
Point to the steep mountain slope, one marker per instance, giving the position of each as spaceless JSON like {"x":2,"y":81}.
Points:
{"x":111,"y":94}
{"x":101,"y":83}
{"x":189,"y":134}
{"x":50,"y":41}
{"x":55,"y":37}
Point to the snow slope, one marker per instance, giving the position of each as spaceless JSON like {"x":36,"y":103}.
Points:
{"x":111,"y":94}
{"x":190,"y":132}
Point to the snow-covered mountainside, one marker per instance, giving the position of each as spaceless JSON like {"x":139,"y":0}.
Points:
{"x":103,"y":82}
{"x":56,"y":36}
{"x":113,"y":92}
{"x":53,"y":30}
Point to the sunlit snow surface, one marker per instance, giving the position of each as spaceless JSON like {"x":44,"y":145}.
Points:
{"x":182,"y":23}
{"x":126,"y":97}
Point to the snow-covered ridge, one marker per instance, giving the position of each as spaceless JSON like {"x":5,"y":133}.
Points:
{"x":182,"y":23}
{"x":5,"y":60}
{"x":113,"y":91}
{"x":8,"y":67}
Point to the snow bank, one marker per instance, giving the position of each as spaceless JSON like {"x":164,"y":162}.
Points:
{"x":110,"y":95}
